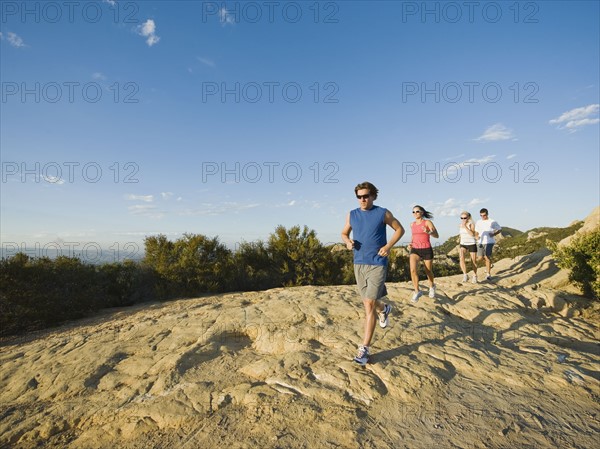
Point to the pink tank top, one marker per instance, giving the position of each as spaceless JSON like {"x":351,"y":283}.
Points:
{"x":420,"y":239}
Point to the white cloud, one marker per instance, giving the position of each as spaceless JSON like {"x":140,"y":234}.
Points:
{"x":511,"y":156}
{"x":577,"y":114}
{"x":495,"y":133}
{"x":166,"y":195}
{"x":449,"y":170}
{"x":448,"y":208}
{"x":576,"y":118}
{"x":291,"y":203}
{"x":453,"y":207}
{"x":13,"y":39}
{"x":219,"y":209}
{"x":477,"y":201}
{"x":148,"y":30}
{"x":226,"y":18}
{"x":206,"y":62}
{"x":99,"y":76}
{"x":583,"y":122}
{"x":54,"y":180}
{"x":110,"y":2}
{"x":452,"y":158}
{"x":145,"y":198}
{"x":145,"y":210}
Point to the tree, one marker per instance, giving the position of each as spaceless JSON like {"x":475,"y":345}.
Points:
{"x":298,"y":257}
{"x":191,"y":265}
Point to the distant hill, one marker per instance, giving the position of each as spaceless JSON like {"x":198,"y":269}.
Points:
{"x":522,"y":243}
{"x":514,"y":242}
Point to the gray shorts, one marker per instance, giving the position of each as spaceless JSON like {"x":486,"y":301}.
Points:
{"x":485,"y":250}
{"x":370,"y":281}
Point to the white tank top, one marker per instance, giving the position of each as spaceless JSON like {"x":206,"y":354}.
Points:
{"x":465,"y":237}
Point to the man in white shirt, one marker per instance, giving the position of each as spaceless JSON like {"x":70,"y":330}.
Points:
{"x":486,"y":228}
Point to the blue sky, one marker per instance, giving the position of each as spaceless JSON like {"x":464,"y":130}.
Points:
{"x":126,"y":119}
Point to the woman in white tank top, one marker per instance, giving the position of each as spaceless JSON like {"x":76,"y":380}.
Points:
{"x":468,"y":244}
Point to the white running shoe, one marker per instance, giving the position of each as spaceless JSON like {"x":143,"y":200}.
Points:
{"x":415,"y":297}
{"x":465,"y":278}
{"x":362,"y":357}
{"x":432,"y":291}
{"x":474,"y":279}
{"x":383,"y":316}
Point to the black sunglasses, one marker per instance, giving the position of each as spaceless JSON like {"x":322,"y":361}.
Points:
{"x":417,"y":212}
{"x":363,"y":197}
{"x":463,"y":218}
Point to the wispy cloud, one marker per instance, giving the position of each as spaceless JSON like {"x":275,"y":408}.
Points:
{"x":166,"y":195}
{"x":99,"y":76}
{"x":110,"y":2}
{"x":449,"y":170}
{"x":511,"y":156}
{"x":148,"y":30}
{"x":146,"y":210}
{"x":453,"y":158}
{"x":453,"y":207}
{"x":449,"y":208}
{"x":54,"y":180}
{"x":145,"y":198}
{"x":576,"y":118}
{"x":477,"y":202}
{"x":226,"y":18}
{"x":495,"y":133}
{"x":206,"y":62}
{"x":220,"y":208}
{"x":13,"y":39}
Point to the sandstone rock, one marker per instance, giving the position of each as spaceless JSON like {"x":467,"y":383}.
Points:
{"x":273,"y":369}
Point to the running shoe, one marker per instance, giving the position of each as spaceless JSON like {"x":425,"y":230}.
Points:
{"x":432,"y":291}
{"x":362,"y":357}
{"x":383,"y":316}
{"x":415,"y":297}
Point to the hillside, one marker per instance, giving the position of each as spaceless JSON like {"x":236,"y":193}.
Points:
{"x":513,"y":243}
{"x":504,"y":365}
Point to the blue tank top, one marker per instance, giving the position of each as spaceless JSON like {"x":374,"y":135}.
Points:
{"x":368,"y":233}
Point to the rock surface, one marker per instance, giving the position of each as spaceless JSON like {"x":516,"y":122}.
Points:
{"x":501,"y":364}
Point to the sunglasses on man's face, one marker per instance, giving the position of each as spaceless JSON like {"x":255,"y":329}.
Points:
{"x":363,"y":197}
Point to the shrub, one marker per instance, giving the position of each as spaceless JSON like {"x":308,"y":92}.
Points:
{"x":189,"y":266}
{"x":253,"y":267}
{"x":298,"y":257}
{"x":125,"y":284}
{"x":40,"y":292}
{"x":582,"y":257}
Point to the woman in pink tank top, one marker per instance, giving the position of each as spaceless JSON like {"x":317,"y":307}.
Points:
{"x":420,"y":249}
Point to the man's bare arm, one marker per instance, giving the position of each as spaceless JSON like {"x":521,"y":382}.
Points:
{"x":346,"y":234}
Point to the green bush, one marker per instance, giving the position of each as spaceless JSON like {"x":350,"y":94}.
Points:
{"x":39,"y":292}
{"x":190,"y":266}
{"x":253,"y":267}
{"x":125,"y":284}
{"x":299,"y":258}
{"x":582,"y":257}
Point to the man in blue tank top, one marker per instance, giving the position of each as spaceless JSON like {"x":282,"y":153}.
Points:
{"x":369,"y":243}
